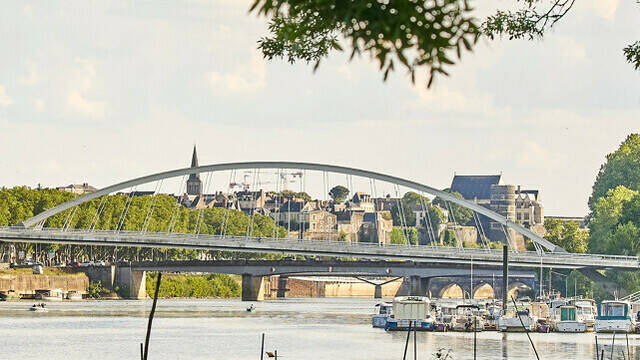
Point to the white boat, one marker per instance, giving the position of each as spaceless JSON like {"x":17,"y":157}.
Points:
{"x":566,"y":320}
{"x":379,"y":320}
{"x":38,"y":308}
{"x":587,"y":310}
{"x":512,"y":321}
{"x":49,"y":295}
{"x":410,"y":312}
{"x":74,"y":295}
{"x":467,"y":318}
{"x":614,"y":315}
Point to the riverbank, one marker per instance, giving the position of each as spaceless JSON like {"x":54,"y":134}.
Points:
{"x":195,"y":286}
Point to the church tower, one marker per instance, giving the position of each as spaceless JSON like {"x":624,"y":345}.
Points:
{"x":194,"y":184}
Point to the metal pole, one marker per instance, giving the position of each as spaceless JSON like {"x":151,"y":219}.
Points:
{"x":153,"y":310}
{"x":628,"y":352}
{"x":262,"y":348}
{"x":597,"y":355}
{"x":505,"y":277}
{"x":613,"y":341}
{"x":475,"y":325}
{"x":406,"y":344}
{"x":525,"y":328}
{"x":415,"y":344}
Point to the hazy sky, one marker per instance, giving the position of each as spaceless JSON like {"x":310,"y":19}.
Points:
{"x":102,"y":91}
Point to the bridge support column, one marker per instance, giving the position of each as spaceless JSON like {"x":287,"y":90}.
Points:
{"x":283,"y":281}
{"x":415,"y":283}
{"x":252,"y":288}
{"x":377,"y":294}
{"x":134,"y":280}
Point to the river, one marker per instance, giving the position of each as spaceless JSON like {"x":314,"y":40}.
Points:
{"x":222,"y":329}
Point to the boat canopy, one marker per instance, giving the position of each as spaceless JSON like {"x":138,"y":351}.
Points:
{"x":612,"y":310}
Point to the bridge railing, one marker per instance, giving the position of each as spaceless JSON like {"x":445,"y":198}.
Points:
{"x":137,"y":238}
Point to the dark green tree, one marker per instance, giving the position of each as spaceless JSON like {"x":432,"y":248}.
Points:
{"x":339,"y":193}
{"x":460,"y":214}
{"x":567,"y":235}
{"x":414,"y":34}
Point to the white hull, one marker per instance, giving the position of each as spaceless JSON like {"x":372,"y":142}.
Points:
{"x":379,"y":321}
{"x":513,"y":323}
{"x":570,"y":326}
{"x":625,"y":326}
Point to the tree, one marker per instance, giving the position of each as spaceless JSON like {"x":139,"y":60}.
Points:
{"x":605,"y":218}
{"x":621,"y":168}
{"x":339,"y":193}
{"x":414,"y":34}
{"x":567,"y":235}
{"x":460,"y":214}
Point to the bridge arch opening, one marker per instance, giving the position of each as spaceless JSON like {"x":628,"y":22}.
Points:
{"x":518,"y":289}
{"x":451,"y":291}
{"x":483,"y":291}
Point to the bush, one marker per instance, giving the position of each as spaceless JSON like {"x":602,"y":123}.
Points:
{"x":198,"y":286}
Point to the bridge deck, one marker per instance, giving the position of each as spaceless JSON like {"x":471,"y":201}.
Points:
{"x":434,"y":254}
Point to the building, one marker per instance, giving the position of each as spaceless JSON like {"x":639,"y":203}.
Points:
{"x":194,"y":184}
{"x":514,"y":203}
{"x":77,"y":189}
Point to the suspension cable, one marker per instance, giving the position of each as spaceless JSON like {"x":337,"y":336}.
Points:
{"x":125,"y":210}
{"x":174,"y":212}
{"x":147,"y":218}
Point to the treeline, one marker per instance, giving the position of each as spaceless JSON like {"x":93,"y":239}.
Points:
{"x":194,"y":286}
{"x":160,"y":213}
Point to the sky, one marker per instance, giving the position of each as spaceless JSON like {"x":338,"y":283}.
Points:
{"x":100,"y":92}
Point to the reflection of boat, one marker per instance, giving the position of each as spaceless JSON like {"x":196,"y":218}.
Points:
{"x":379,"y":320}
{"x":49,"y":295}
{"x":9,"y":295}
{"x":410,"y":311}
{"x":567,"y":320}
{"x":614,"y":315}
{"x":38,"y":308}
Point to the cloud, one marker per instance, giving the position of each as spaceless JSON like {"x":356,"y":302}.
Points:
{"x":83,"y":81}
{"x":244,"y":79}
{"x":5,"y":100}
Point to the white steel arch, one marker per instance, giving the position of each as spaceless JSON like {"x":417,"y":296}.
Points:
{"x":293,"y":165}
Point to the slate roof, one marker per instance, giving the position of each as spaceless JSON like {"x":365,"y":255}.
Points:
{"x":474,"y":186}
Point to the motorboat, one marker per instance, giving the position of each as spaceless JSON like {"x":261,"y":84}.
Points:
{"x":384,"y":311}
{"x":587,"y":310}
{"x":9,"y":295}
{"x":74,"y":295}
{"x":567,"y":320}
{"x":517,"y":319}
{"x":38,"y":308}
{"x":49,"y":295}
{"x":251,"y":308}
{"x":410,"y":312}
{"x":467,"y":318}
{"x":614,"y":316}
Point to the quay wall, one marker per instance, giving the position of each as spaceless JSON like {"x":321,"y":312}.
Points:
{"x":28,"y":284}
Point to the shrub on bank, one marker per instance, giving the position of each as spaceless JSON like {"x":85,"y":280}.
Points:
{"x":196,"y":286}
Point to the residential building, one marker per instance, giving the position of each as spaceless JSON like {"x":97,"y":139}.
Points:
{"x":77,"y":189}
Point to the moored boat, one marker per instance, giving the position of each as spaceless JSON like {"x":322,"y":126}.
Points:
{"x":467,"y":318}
{"x":567,"y":320}
{"x":614,"y":315}
{"x":74,"y":295}
{"x":9,"y":295}
{"x":384,"y":311}
{"x":517,"y":320}
{"x":410,"y":312}
{"x":49,"y":295}
{"x":587,"y":310}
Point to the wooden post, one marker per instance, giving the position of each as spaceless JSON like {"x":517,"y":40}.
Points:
{"x":597,"y":355}
{"x":613,"y":341}
{"x":415,"y":343}
{"x":505,"y":277}
{"x":406,"y":344}
{"x":262,"y":348}
{"x":153,"y":310}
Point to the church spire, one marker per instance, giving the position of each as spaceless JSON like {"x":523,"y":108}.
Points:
{"x":194,"y":184}
{"x":194,"y":158}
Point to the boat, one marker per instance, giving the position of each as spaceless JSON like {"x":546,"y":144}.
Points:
{"x":74,"y":295}
{"x":517,"y":320}
{"x":49,"y":295}
{"x":467,"y":318}
{"x":38,"y":308}
{"x":410,"y":312}
{"x":587,"y":310}
{"x":251,"y":308}
{"x":566,"y":320}
{"x":9,"y":295}
{"x":384,"y":310}
{"x":614,"y":316}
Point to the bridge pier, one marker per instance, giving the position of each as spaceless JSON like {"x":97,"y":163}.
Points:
{"x":132,"y":279}
{"x":415,"y":286}
{"x":283,"y":281}
{"x":377,"y":294}
{"x":252,"y":287}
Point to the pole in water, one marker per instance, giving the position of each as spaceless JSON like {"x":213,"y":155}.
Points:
{"x":505,"y":277}
{"x":597,"y":357}
{"x":613,"y":341}
{"x":628,"y":351}
{"x":262,"y":348}
{"x":525,"y":328}
{"x":141,"y":352}
{"x":415,"y":346}
{"x":406,"y":344}
{"x":153,"y":310}
{"x":474,"y":338}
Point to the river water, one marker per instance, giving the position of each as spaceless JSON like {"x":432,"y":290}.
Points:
{"x":223,"y":329}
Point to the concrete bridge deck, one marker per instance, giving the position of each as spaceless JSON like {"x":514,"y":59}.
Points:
{"x":431,"y":254}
